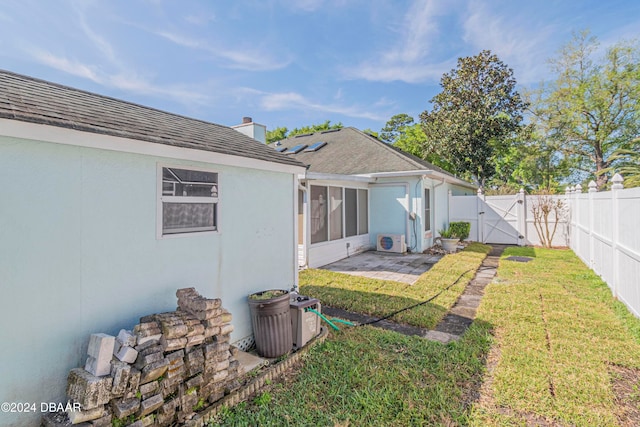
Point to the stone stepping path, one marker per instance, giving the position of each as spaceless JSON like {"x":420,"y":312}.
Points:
{"x":459,"y":318}
{"x":461,"y":315}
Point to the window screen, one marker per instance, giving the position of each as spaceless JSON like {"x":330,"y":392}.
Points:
{"x":351,"y":211}
{"x":363,"y":211}
{"x":335,"y":215}
{"x":318,"y":214}
{"x":427,"y":209}
{"x":189,"y":201}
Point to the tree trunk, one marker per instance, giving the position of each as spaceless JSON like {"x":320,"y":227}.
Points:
{"x":601,"y":179}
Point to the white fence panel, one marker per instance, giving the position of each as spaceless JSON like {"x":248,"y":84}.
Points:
{"x":560,"y":236}
{"x":602,"y":228}
{"x":627,"y":248}
{"x":465,"y":208}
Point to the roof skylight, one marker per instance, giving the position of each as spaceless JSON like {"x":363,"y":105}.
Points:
{"x":298,"y":148}
{"x":315,"y":147}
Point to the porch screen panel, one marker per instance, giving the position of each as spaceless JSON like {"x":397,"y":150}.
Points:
{"x":335,"y":215}
{"x":363,"y":211}
{"x":351,"y":211}
{"x":427,"y":209}
{"x":318,"y":214}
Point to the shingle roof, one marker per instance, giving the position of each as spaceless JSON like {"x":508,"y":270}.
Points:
{"x":37,"y":101}
{"x":352,"y":152}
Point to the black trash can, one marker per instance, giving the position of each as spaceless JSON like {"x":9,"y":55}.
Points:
{"x":271,"y":322}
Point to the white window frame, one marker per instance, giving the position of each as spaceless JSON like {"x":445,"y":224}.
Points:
{"x":162,"y":198}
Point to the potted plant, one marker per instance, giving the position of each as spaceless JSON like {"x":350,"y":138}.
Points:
{"x":449,"y":239}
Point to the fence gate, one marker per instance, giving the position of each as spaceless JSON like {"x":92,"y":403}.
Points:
{"x":498,"y":219}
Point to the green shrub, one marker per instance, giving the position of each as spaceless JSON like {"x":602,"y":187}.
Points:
{"x":460,"y":229}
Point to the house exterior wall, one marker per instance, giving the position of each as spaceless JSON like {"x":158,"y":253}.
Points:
{"x":80,"y":254}
{"x":394,"y":199}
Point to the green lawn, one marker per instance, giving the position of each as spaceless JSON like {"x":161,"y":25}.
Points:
{"x":381,"y":297}
{"x":544,"y":350}
{"x":558,"y":334}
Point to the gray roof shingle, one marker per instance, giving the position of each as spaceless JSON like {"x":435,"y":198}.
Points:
{"x":352,"y":152}
{"x":37,"y":101}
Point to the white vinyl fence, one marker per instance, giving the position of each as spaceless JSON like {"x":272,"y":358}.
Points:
{"x":602,"y":228}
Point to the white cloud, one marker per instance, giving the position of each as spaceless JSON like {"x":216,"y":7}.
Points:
{"x":200,"y":20}
{"x":419,"y":29}
{"x":240,"y":58}
{"x":134,"y":83}
{"x":409,"y":73}
{"x":408,"y":58}
{"x":515,"y":38}
{"x":295,"y":101}
{"x":68,"y":66}
{"x":126,"y":81}
{"x":102,"y":45}
{"x":306,"y":5}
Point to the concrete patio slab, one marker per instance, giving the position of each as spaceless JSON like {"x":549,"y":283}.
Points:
{"x":250,"y":361}
{"x":379,"y":265}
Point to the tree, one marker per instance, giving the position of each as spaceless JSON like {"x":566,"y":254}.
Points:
{"x":474,"y":116}
{"x":394,"y":128}
{"x":282,"y":132}
{"x":531,"y":161}
{"x":544,"y":206}
{"x":592,"y":108}
{"x":371,"y":132}
{"x":411,"y":140}
{"x":627,"y":164}
{"x":277,"y":134}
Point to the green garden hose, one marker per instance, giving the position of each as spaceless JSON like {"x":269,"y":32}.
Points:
{"x":330,"y":322}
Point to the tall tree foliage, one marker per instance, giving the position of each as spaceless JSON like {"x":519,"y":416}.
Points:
{"x":475,"y":115}
{"x":395,"y":127}
{"x":282,"y":132}
{"x":592,"y":109}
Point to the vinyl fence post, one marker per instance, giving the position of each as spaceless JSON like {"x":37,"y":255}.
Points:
{"x":521,"y":212}
{"x":593,"y":188}
{"x":569,"y":210}
{"x":615,"y":233}
{"x":480,"y":210}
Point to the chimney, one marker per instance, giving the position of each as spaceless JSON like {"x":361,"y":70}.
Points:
{"x":253,"y":130}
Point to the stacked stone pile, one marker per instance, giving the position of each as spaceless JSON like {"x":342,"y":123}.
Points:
{"x":160,"y":372}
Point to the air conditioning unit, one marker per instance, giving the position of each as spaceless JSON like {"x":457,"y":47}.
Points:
{"x":391,"y":243}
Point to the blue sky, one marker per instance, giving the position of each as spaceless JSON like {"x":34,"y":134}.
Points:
{"x":290,"y":63}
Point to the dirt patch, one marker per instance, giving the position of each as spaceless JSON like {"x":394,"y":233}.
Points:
{"x":626,"y":387}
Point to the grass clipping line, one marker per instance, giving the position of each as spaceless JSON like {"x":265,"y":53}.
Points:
{"x":559,"y":330}
{"x":378,"y":298}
